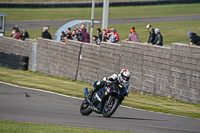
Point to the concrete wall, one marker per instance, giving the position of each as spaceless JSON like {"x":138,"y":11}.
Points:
{"x":184,"y":78}
{"x":18,"y":47}
{"x":164,"y":71}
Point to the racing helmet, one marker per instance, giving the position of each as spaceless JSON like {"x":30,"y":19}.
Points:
{"x":125,"y":75}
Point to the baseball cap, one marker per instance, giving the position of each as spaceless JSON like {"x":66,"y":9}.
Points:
{"x":157,"y":30}
{"x":148,"y":26}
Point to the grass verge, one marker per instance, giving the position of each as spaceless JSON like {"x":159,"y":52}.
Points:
{"x":75,"y":88}
{"x":7,"y":126}
{"x":19,"y":14}
{"x":171,"y":31}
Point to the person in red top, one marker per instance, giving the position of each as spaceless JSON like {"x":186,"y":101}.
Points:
{"x":115,"y":32}
{"x":17,"y":33}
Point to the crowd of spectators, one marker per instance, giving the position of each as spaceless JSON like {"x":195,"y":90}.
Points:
{"x":19,"y":35}
{"x":110,"y":35}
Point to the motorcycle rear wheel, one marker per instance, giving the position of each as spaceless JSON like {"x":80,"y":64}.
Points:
{"x":110,"y":106}
{"x":85,"y":108}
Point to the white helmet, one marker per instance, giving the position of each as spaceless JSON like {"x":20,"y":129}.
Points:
{"x":125,"y":75}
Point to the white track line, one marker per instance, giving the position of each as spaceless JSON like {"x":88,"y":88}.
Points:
{"x":82,"y":99}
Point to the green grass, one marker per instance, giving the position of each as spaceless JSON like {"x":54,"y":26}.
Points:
{"x":171,"y":31}
{"x":18,"y":14}
{"x":75,"y":88}
{"x":7,"y":126}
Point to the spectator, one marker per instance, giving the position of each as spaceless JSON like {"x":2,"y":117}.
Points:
{"x":133,"y":36}
{"x":115,"y":33}
{"x":105,"y":35}
{"x":96,"y":40}
{"x":69,"y":33}
{"x":99,"y":34}
{"x":85,"y":36}
{"x":82,"y":27}
{"x":112,"y":37}
{"x":151,"y":34}
{"x":13,"y":34}
{"x":158,"y":39}
{"x":74,"y":33}
{"x":16,"y":33}
{"x":79,"y":35}
{"x":63,"y":36}
{"x":24,"y":35}
{"x":46,"y":34}
{"x":195,"y":39}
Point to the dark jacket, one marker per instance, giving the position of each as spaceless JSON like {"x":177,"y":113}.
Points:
{"x":24,"y":36}
{"x":86,"y":36}
{"x":151,"y":36}
{"x":69,"y":33}
{"x":105,"y":37}
{"x":62,"y":37}
{"x":46,"y":34}
{"x":100,"y":36}
{"x":158,"y":39}
{"x":195,"y":39}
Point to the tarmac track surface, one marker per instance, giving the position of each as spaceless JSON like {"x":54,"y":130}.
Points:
{"x":28,"y":105}
{"x":58,"y":23}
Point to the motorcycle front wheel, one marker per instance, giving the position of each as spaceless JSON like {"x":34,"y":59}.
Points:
{"x":110,"y":106}
{"x":85,"y":109}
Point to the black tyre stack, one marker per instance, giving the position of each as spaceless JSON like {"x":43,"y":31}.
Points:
{"x":16,"y":62}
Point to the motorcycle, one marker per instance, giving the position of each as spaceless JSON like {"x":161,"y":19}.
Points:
{"x":105,"y":101}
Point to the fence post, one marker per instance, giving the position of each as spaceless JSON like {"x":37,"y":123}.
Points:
{"x":34,"y":54}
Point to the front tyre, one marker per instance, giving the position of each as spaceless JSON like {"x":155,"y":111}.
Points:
{"x":85,"y":108}
{"x":110,"y":106}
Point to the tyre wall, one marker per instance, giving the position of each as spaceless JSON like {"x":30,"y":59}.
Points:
{"x":172,"y":71}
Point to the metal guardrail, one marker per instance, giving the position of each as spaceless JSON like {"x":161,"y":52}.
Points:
{"x":97,"y":4}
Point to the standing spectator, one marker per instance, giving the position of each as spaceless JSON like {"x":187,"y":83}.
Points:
{"x":112,"y":37}
{"x":86,"y":36}
{"x":17,"y":33}
{"x":99,"y":34}
{"x":24,"y":35}
{"x":115,"y":33}
{"x":46,"y":34}
{"x":133,"y":36}
{"x":195,"y":39}
{"x":105,"y":35}
{"x":96,"y":40}
{"x":82,"y":27}
{"x":158,"y":39}
{"x":79,"y":35}
{"x":151,"y":34}
{"x":13,"y":34}
{"x":74,"y":33}
{"x":63,"y":36}
{"x":69,"y":33}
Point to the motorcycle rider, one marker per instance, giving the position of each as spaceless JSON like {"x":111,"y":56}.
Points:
{"x":123,"y":77}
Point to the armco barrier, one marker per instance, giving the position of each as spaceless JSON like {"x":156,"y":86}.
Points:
{"x":97,"y":4}
{"x":172,"y":71}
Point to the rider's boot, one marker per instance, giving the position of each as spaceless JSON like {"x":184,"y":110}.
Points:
{"x":90,"y":95}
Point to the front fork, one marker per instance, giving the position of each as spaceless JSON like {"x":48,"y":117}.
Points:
{"x":86,"y":95}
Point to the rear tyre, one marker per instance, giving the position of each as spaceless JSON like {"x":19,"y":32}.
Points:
{"x":85,"y":108}
{"x":110,"y":106}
